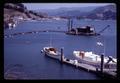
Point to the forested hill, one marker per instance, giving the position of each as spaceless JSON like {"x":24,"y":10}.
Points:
{"x":18,"y":9}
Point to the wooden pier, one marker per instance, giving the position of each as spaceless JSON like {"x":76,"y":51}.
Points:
{"x":107,"y":73}
{"x":102,"y":72}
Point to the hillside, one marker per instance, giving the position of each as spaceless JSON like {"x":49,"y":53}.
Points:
{"x":64,"y":11}
{"x":18,"y":9}
{"x":105,"y":12}
{"x":95,"y":12}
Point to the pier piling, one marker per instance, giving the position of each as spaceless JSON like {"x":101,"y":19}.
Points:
{"x":62,"y":55}
{"x":102,"y":63}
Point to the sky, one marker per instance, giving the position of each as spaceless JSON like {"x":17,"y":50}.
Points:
{"x":37,"y":6}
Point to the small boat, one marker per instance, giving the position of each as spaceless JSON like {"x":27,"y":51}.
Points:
{"x":51,"y":52}
{"x":94,"y":59}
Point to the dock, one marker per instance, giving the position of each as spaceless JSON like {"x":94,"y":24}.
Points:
{"x":107,"y":73}
{"x":103,"y":73}
{"x":79,"y":65}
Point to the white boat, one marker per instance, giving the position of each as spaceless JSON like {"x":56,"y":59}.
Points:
{"x":51,"y":52}
{"x":94,"y":59}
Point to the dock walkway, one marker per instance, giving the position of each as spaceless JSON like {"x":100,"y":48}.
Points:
{"x":110,"y":73}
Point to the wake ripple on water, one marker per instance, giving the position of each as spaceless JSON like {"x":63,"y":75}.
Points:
{"x":15,"y":72}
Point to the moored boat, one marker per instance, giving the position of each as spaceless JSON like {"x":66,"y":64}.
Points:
{"x":51,"y":52}
{"x":95,"y":60}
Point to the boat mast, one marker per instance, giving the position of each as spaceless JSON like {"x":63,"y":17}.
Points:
{"x":104,"y":47}
{"x":50,"y":40}
{"x":69,"y":23}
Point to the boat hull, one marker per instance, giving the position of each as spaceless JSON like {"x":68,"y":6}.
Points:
{"x":83,"y":34}
{"x":95,"y":60}
{"x":54,"y":56}
{"x":98,"y":64}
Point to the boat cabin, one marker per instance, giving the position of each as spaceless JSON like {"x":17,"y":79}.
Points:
{"x":51,"y":49}
{"x":86,"y":29}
